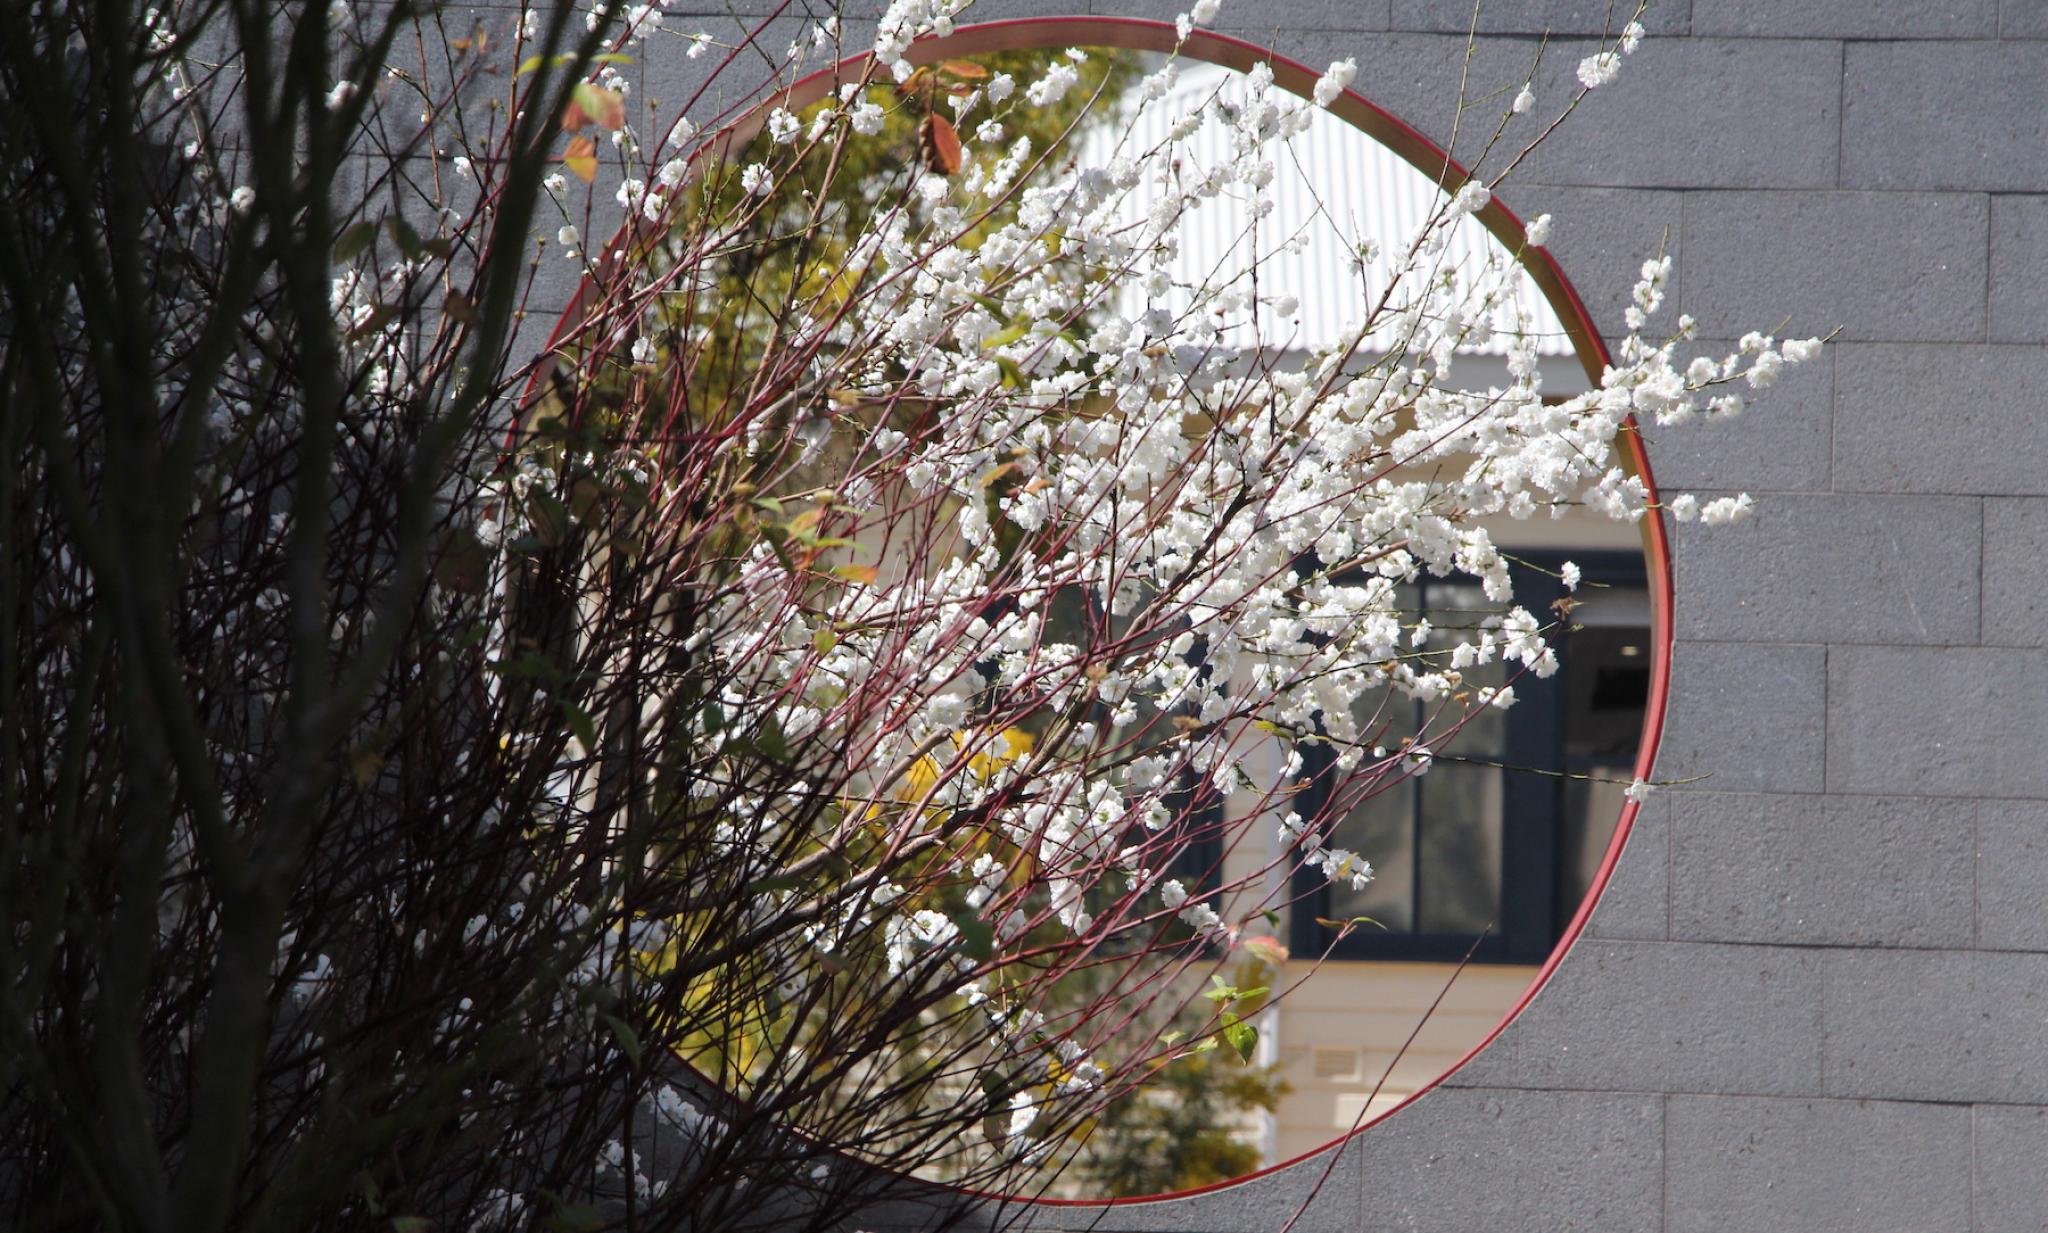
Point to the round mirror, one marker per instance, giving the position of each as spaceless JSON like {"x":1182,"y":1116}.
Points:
{"x":1281,"y":739}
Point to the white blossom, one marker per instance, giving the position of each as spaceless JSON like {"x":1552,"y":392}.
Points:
{"x":1059,"y":78}
{"x":1334,"y":79}
{"x":1599,"y":69}
{"x":1725,"y":510}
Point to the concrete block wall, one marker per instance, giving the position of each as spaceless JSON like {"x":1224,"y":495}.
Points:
{"x":1816,"y":994}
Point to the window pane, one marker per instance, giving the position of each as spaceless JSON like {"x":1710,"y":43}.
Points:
{"x":1591,"y":808}
{"x":1460,"y":849}
{"x":1607,"y":684}
{"x":1459,"y":816}
{"x":1382,"y":830}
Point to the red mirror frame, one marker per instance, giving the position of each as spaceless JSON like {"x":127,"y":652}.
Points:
{"x":1139,"y":34}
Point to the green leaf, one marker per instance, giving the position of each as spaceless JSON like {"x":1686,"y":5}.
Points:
{"x":410,"y":1224}
{"x":549,"y":517}
{"x":380,"y":316}
{"x":777,"y":882}
{"x":1243,"y":1037}
{"x":532,"y":63}
{"x":463,"y":563}
{"x":628,"y":1039}
{"x":770,"y":741}
{"x":566,"y":1217}
{"x":530,"y":666}
{"x":766,"y":740}
{"x":977,"y":937}
{"x":581,"y":726}
{"x":352,"y":242}
{"x":403,"y":235}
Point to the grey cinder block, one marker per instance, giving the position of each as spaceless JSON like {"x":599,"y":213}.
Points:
{"x":1700,"y":113}
{"x":1637,"y":900}
{"x":1854,"y":568}
{"x":1495,"y":1162}
{"x":2023,"y":18}
{"x":1600,"y":238}
{"x":2019,"y":269}
{"x":1741,"y":1165}
{"x":1959,"y":115}
{"x":1873,"y":265}
{"x":2012,"y":869}
{"x":1782,"y":443}
{"x":1953,"y":418}
{"x":2010,"y":1169}
{"x":1683,"y":1016}
{"x":1745,"y":717}
{"x":1831,"y":870}
{"x":1937,"y":722}
{"x":2015,"y":571}
{"x":1560,"y":17}
{"x":1936,"y":1025}
{"x":1859,"y":19}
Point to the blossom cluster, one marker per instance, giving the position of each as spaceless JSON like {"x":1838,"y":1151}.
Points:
{"x":1098,"y":520}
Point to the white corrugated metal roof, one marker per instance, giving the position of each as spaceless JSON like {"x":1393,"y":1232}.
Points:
{"x":1334,"y":185}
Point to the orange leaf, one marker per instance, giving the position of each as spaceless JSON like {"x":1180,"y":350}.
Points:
{"x":607,"y":107}
{"x":581,"y":159}
{"x":965,"y":68}
{"x":939,"y":145}
{"x":593,"y":104}
{"x":1266,"y":947}
{"x":862,"y":574}
{"x":917,"y":80}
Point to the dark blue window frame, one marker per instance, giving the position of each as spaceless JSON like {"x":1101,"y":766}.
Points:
{"x":1530,"y":916}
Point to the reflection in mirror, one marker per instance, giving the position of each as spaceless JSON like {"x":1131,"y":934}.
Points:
{"x":1480,"y":864}
{"x":1291,"y":727}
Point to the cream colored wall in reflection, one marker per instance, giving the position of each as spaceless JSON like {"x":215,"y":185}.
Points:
{"x":1339,"y":1036}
